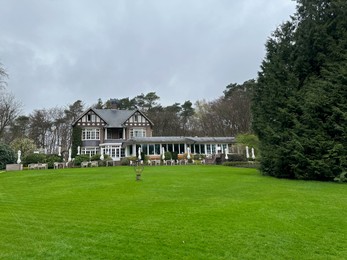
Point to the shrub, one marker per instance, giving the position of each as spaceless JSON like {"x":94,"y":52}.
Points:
{"x":234,"y":157}
{"x":51,"y":159}
{"x":168,"y":156}
{"x":198,"y":156}
{"x":34,"y":158}
{"x":174,"y":155}
{"x":81,"y":158}
{"x":95,"y":157}
{"x":341,"y":178}
{"x":126,"y":160}
{"x":242,"y":164}
{"x":7,"y":156}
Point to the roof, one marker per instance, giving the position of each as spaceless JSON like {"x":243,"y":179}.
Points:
{"x":114,"y":117}
{"x":179,"y":139}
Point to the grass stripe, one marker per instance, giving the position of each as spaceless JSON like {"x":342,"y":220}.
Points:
{"x":181,"y":212}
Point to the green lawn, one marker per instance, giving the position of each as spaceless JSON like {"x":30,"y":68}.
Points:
{"x":175,"y":212}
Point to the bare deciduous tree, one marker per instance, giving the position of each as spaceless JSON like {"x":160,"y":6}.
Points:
{"x":10,"y":108}
{"x":3,"y":75}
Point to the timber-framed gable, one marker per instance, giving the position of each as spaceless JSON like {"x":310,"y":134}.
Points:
{"x":90,"y":119}
{"x":138,"y":120}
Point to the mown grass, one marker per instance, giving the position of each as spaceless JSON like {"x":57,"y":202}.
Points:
{"x":175,"y":212}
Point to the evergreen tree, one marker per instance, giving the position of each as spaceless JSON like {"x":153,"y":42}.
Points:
{"x":76,"y":140}
{"x":7,"y":156}
{"x":299,"y":106}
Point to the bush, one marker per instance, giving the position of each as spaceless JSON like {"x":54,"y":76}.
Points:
{"x":34,"y":158}
{"x":7,"y":156}
{"x":234,"y":157}
{"x":168,"y":155}
{"x":95,"y":157}
{"x":242,"y":164}
{"x":198,"y":156}
{"x":126,"y":160}
{"x":81,"y":158}
{"x":51,"y":159}
{"x":174,"y":155}
{"x":341,"y":178}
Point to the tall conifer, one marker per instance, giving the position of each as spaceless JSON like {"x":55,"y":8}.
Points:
{"x":300,"y":101}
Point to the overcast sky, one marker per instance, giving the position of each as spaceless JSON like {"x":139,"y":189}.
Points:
{"x":60,"y":51}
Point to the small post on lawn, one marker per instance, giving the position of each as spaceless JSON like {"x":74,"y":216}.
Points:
{"x":138,"y":167}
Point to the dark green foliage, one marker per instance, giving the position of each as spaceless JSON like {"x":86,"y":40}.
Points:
{"x":342,"y":178}
{"x":51,"y":159}
{"x":168,"y":155}
{"x":122,"y":104}
{"x":76,"y":140}
{"x":35,"y":158}
{"x":81,"y":158}
{"x":242,"y":164}
{"x":7,"y":156}
{"x":95,"y":157}
{"x":126,"y":160}
{"x":234,"y":157}
{"x":174,"y":155}
{"x":198,"y":156}
{"x":299,"y":106}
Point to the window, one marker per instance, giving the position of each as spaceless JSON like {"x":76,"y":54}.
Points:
{"x":213,"y":146}
{"x":90,"y":150}
{"x":137,"y":132}
{"x":91,"y":118}
{"x":157,"y":149}
{"x":151,"y":149}
{"x":208,"y":147}
{"x":91,"y":134}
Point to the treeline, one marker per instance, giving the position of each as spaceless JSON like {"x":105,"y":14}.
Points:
{"x":228,"y":115}
{"x":46,"y":129}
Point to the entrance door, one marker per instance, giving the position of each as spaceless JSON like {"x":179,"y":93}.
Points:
{"x":113,"y":151}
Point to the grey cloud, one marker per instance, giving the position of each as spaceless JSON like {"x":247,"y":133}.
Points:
{"x":59,"y":51}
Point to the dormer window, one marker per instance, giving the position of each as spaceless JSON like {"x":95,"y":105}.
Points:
{"x":90,"y":118}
